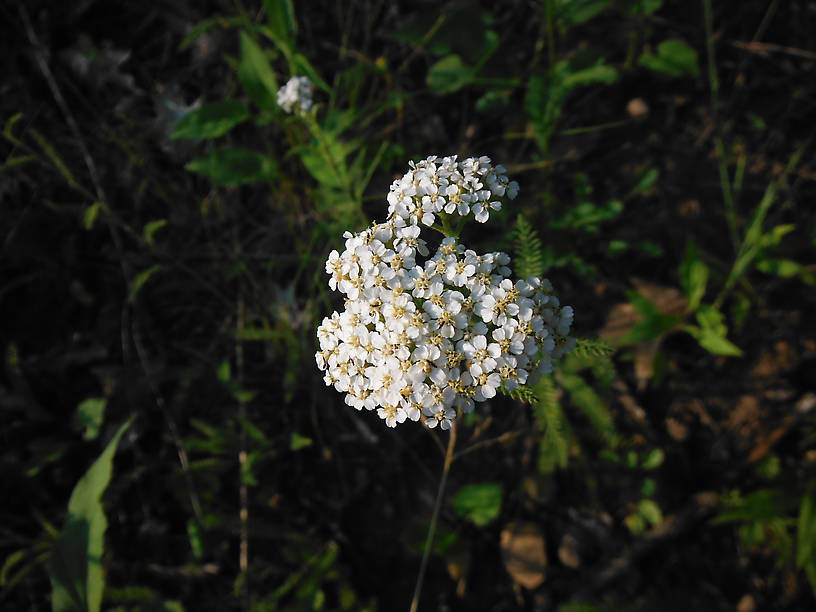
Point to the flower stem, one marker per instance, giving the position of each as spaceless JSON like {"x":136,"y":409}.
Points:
{"x":426,"y":555}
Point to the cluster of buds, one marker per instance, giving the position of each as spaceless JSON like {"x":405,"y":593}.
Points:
{"x":296,"y":95}
{"x":422,"y":337}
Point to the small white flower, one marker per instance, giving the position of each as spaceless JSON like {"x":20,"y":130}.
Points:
{"x":296,"y":95}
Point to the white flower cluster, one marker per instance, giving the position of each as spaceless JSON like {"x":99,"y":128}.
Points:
{"x":445,"y":185}
{"x":296,"y":95}
{"x":419,"y":339}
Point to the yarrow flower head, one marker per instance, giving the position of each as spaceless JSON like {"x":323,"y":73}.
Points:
{"x":425,"y":336}
{"x":296,"y":95}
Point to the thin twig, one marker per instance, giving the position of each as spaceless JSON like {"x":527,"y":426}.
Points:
{"x":761,"y":48}
{"x":426,"y":555}
{"x":505,"y":437}
{"x":243,"y":559}
{"x":425,"y":39}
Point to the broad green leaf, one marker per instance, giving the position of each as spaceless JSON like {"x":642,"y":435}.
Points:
{"x":650,"y":511}
{"x":479,"y":503}
{"x":716,"y":344}
{"x":595,"y":73}
{"x":211,"y":120}
{"x":693,"y":276}
{"x":653,"y":324}
{"x":89,"y":416}
{"x":139,"y":281}
{"x":151,"y":228}
{"x":75,"y":564}
{"x":640,"y":7}
{"x":449,"y":74}
{"x":256,"y":74}
{"x":282,"y":22}
{"x":674,"y":58}
{"x":574,"y":12}
{"x":712,"y":332}
{"x":230,"y":167}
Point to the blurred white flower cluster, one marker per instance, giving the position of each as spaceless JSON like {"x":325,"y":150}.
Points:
{"x":421,"y":339}
{"x":296,"y":95}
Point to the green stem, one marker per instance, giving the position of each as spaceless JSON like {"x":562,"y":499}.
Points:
{"x":714,"y":85}
{"x":426,"y":555}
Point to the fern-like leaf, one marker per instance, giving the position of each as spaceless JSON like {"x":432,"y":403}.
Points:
{"x":595,"y":408}
{"x":549,"y":417}
{"x":584,"y":347}
{"x":522,"y":394}
{"x":529,"y":260}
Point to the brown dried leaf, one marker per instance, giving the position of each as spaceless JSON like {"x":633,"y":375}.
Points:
{"x":568,"y":552}
{"x":524,"y":554}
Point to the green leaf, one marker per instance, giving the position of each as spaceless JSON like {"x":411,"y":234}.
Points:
{"x":653,"y":460}
{"x":640,"y":7}
{"x":282,"y":22}
{"x":449,"y":74}
{"x":151,"y":228}
{"x":806,"y":531}
{"x":674,"y":58}
{"x":586,"y":347}
{"x":595,"y":409}
{"x":654,"y":323}
{"x":194,"y":535}
{"x":223,"y":373}
{"x":529,"y":260}
{"x":256,"y":74}
{"x":230,"y":167}
{"x":297,"y":441}
{"x":91,"y":213}
{"x":574,"y":12}
{"x":303,"y":66}
{"x":761,"y":505}
{"x":211,"y":120}
{"x":650,"y":511}
{"x":8,"y":128}
{"x":646,"y":181}
{"x":693,"y":276}
{"x":712,"y":332}
{"x":553,"y":451}
{"x":13,"y":162}
{"x":635,"y":523}
{"x":139,"y":281}
{"x":75,"y":564}
{"x":786,"y":268}
{"x":89,"y":416}
{"x":479,"y":503}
